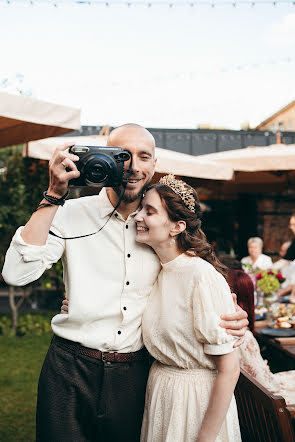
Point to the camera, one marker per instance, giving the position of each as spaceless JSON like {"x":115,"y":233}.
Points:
{"x":99,"y":166}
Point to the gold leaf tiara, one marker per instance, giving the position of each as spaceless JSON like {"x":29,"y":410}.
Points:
{"x":180,"y":188}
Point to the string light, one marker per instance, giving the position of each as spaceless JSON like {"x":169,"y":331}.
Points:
{"x":150,"y":3}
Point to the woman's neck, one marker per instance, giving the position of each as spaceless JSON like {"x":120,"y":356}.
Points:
{"x":254,"y":259}
{"x":167,"y":252}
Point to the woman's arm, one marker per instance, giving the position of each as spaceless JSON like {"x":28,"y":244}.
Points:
{"x":228,"y":374}
{"x":285,"y":291}
{"x":236,"y":323}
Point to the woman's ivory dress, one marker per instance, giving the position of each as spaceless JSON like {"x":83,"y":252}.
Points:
{"x":181,"y":331}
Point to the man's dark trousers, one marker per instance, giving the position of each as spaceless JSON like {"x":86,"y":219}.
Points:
{"x":84,"y":399}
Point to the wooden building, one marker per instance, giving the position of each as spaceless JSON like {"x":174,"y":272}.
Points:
{"x":282,"y":120}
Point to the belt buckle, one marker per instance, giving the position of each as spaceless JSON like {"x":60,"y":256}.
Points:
{"x":103,"y":353}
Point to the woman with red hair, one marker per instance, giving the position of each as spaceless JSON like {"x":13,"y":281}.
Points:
{"x":251,"y":361}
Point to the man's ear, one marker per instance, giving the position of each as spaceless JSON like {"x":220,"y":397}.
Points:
{"x":154,"y":166}
{"x":178,"y":228}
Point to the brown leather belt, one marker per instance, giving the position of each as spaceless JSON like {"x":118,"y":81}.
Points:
{"x":103,"y":356}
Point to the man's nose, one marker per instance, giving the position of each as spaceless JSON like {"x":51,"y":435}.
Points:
{"x":138,"y":217}
{"x":135,"y":166}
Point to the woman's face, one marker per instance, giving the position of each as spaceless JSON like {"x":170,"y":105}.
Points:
{"x":254,"y":250}
{"x":153,"y":225}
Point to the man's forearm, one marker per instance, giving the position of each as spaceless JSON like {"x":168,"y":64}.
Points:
{"x":36,"y":230}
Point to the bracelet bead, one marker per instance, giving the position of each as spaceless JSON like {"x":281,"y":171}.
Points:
{"x":55,"y":201}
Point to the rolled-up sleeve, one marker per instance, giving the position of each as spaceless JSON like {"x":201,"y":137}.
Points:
{"x":25,"y":263}
{"x":212,"y":297}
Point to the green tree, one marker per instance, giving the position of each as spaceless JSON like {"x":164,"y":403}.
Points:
{"x":22,"y":182}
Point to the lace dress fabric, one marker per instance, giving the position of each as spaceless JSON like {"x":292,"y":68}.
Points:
{"x":251,"y":361}
{"x":181,"y":331}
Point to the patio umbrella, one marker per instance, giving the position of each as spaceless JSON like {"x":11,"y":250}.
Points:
{"x":24,"y":119}
{"x":258,"y":169}
{"x":254,"y":159}
{"x":167,"y":161}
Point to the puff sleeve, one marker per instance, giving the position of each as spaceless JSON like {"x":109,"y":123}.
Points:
{"x":211,"y":298}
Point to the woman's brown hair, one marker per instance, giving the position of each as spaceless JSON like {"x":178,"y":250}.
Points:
{"x":241,"y":284}
{"x":192,"y":240}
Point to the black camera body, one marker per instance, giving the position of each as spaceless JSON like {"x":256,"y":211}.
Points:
{"x":99,"y":166}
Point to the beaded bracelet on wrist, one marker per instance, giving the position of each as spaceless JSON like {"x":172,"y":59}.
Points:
{"x":55,"y":201}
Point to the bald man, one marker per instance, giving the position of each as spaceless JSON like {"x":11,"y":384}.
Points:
{"x":92,"y":383}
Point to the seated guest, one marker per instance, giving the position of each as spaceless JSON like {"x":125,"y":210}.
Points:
{"x":256,"y":258}
{"x":282,"y":263}
{"x":290,"y":255}
{"x":251,"y":361}
{"x":287,"y":268}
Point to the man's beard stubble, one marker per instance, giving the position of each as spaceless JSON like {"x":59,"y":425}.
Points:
{"x":131,"y":197}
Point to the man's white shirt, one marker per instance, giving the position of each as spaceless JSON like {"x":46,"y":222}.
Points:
{"x":108,"y":276}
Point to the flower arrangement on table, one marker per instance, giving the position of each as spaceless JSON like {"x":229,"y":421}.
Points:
{"x":268,"y":282}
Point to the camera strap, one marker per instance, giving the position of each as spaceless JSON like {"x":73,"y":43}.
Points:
{"x":124,"y":184}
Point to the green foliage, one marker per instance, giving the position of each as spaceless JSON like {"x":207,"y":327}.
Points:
{"x":22,"y":182}
{"x":53,"y":278}
{"x":35,"y":325}
{"x":5,"y":326}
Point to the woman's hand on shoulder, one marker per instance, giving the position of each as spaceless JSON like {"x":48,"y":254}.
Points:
{"x":65,"y":307}
{"x":235,"y":323}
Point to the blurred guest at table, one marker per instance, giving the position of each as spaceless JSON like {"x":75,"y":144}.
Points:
{"x":292,"y":297}
{"x":287,"y":268}
{"x":290,"y":255}
{"x":251,"y":361}
{"x":282,"y":262}
{"x":256,"y":258}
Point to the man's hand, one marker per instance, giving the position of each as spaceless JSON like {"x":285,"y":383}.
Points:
{"x":65,"y":307}
{"x":235,"y":323}
{"x":58,"y":175}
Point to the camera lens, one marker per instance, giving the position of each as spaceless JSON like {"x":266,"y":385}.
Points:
{"x":98,"y":172}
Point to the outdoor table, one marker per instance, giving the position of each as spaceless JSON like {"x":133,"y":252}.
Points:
{"x":280,"y":352}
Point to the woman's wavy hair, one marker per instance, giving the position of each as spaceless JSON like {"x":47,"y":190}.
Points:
{"x":241,"y":284}
{"x":192,"y":240}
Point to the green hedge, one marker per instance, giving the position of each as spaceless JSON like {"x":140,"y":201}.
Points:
{"x":28,"y":324}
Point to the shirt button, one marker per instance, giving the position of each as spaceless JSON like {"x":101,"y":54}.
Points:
{"x":116,"y":215}
{"x":128,"y":256}
{"x":126,"y":226}
{"x":127,"y":282}
{"x":119,"y":332}
{"x":124,"y":308}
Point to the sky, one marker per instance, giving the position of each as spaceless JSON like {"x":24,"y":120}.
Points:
{"x":159,"y":66}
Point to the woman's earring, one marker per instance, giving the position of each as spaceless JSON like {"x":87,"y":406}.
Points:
{"x":172,"y":241}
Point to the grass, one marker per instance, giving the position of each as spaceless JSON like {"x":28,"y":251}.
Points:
{"x":21,"y":359}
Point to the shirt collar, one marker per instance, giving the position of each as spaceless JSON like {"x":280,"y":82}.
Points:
{"x":105,"y":207}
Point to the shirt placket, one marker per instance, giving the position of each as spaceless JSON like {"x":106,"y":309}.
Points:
{"x":127,"y":235}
